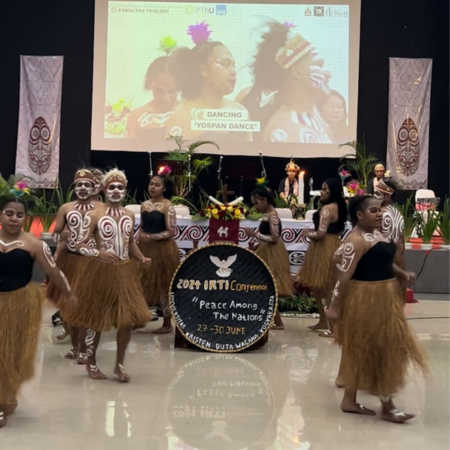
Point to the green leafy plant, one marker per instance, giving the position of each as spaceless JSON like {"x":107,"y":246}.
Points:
{"x":301,"y":302}
{"x":444,"y":223}
{"x":131,"y":198}
{"x":46,"y":210}
{"x":29,"y":218}
{"x":428,"y":224}
{"x":176,"y":200}
{"x":409,"y":217}
{"x":361,"y":162}
{"x":184,"y":153}
{"x":63,"y":197}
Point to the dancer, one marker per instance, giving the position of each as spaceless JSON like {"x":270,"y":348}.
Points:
{"x":318,"y":272}
{"x":158,"y":222}
{"x":205,"y":75}
{"x":377,"y":343}
{"x":262,"y":99}
{"x":108,"y":287}
{"x":393,"y":226}
{"x":149,"y":121}
{"x":20,"y":299}
{"x":304,"y":82}
{"x":271,"y":247}
{"x":71,"y":216}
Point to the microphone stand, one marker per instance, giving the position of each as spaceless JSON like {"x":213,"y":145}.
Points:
{"x":219,"y":172}
{"x":263,"y":171}
{"x":151,"y":165}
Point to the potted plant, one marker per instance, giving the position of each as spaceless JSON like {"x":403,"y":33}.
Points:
{"x":46,"y":211}
{"x":186,"y":154}
{"x":409,"y":218}
{"x":361,"y":162}
{"x":428,"y":224}
{"x":444,"y":223}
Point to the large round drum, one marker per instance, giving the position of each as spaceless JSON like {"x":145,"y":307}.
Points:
{"x":223,"y":298}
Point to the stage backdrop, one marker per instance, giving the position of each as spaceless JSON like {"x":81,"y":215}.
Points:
{"x":39,"y":119}
{"x":409,"y":121}
{"x":245,"y":88}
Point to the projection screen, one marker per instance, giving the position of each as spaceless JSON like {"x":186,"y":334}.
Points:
{"x":281,"y":79}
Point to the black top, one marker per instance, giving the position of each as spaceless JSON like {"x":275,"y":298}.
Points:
{"x":333,"y":228}
{"x":153,"y":222}
{"x":376,"y":264}
{"x":281,"y":186}
{"x":16,"y":269}
{"x":264,"y":228}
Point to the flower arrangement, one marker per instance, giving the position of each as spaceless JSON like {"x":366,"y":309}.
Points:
{"x":239,"y":211}
{"x":354,"y":188}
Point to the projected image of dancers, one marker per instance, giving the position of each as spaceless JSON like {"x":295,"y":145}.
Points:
{"x":290,"y":82}
{"x":206,"y":74}
{"x":150,"y":119}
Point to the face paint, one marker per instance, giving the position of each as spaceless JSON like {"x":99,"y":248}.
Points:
{"x":84,"y":189}
{"x":319,"y":78}
{"x":115,"y":192}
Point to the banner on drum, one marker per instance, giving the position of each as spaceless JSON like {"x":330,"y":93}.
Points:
{"x":409,"y":121}
{"x":39,"y":120}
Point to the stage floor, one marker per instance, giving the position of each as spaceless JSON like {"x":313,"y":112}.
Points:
{"x":279,"y":398}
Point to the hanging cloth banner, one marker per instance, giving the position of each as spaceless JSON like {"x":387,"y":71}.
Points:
{"x":409,"y":121}
{"x":39,"y":120}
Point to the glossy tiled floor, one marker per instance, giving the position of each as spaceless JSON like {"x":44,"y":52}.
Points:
{"x":282,"y":397}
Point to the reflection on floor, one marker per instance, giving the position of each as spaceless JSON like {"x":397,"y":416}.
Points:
{"x":280,"y":398}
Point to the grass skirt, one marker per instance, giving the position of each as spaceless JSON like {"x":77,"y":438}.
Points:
{"x":318,"y":270}
{"x":399,"y":260}
{"x":156,"y":279}
{"x":20,"y":321}
{"x":376,"y":339}
{"x":70,"y":265}
{"x":276,"y":257}
{"x":109,"y":295}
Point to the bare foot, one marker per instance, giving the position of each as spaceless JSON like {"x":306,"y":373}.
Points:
{"x":82,"y":359}
{"x":356,"y":408}
{"x":71,"y":354}
{"x":163,"y":330}
{"x":11,"y":406}
{"x":95,"y":373}
{"x":396,"y":416}
{"x":122,"y":374}
{"x":326,"y":334}
{"x":319,"y":326}
{"x":3,"y":420}
{"x":63,"y":334}
{"x":339,"y":383}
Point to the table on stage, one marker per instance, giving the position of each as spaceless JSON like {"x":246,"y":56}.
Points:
{"x":189,"y":231}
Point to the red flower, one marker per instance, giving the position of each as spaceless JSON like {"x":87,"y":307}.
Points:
{"x":202,"y":213}
{"x":222,"y":213}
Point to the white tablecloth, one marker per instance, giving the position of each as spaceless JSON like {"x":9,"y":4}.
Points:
{"x":296,"y":246}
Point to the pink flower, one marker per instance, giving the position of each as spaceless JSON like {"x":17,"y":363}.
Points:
{"x":289,"y":24}
{"x":360,"y":192}
{"x":199,"y":33}
{"x":22,"y":184}
{"x":344,"y":173}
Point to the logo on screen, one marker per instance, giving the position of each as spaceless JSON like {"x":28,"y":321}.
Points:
{"x":221,"y":10}
{"x":319,"y":11}
{"x":190,"y":9}
{"x":308,"y":12}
